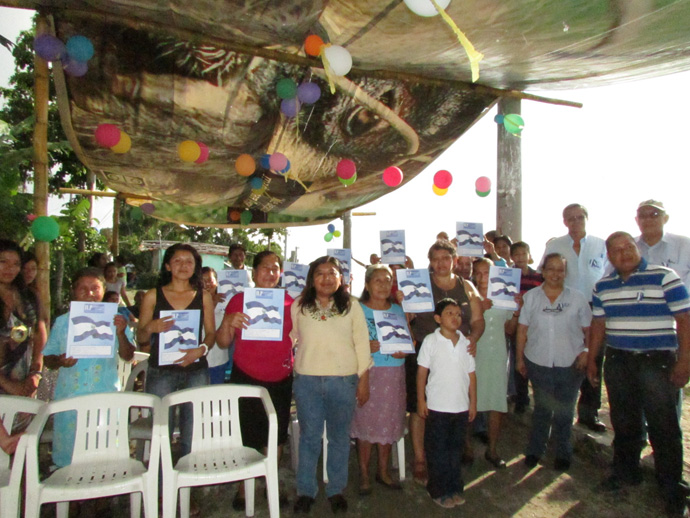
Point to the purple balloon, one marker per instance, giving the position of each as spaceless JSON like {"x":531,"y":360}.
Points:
{"x":148,"y":208}
{"x":308,"y":93}
{"x":49,"y":47}
{"x":289,"y":107}
{"x":74,"y":68}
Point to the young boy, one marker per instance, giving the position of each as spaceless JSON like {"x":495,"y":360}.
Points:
{"x":521,"y":257}
{"x":450,"y":402}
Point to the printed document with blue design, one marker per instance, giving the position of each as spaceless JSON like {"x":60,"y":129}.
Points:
{"x":183,"y":335}
{"x":91,"y":331}
{"x":265,"y":308}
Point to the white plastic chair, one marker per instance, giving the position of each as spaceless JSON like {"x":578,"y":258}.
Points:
{"x":101,"y":465}
{"x":124,"y":368}
{"x":11,"y":476}
{"x":141,"y":420}
{"x":218,"y":455}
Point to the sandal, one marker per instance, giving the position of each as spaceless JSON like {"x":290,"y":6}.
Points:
{"x":419,"y":473}
{"x":445,"y":501}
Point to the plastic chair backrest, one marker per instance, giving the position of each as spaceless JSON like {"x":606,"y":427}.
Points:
{"x":9,"y":407}
{"x":124,"y":368}
{"x":141,"y":366}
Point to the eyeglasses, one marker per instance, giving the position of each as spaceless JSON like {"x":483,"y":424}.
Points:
{"x":649,"y":215}
{"x":581,"y":217}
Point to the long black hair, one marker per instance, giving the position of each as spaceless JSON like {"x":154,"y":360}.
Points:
{"x":7,"y":245}
{"x":165,"y":276}
{"x":341,"y":299}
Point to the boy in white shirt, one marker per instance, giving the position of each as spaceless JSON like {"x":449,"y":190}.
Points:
{"x":450,"y":402}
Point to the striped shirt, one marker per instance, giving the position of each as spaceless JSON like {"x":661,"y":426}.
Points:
{"x":640,"y":312}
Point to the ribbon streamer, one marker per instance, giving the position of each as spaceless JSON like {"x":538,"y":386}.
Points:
{"x":474,"y":56}
{"x":330,"y":75}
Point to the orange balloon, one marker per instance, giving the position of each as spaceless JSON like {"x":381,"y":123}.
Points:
{"x":245,"y":165}
{"x":440,"y":192}
{"x":124,"y":145}
{"x":235,"y":215}
{"x":313,"y":44}
{"x":188,"y":150}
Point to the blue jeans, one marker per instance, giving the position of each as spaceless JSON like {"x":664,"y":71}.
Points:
{"x":555,"y":395}
{"x":216,"y":375}
{"x":639,"y":386}
{"x":444,"y":438}
{"x":330,"y":399}
{"x":162,"y":382}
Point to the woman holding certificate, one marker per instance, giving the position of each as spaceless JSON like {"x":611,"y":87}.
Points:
{"x":381,"y":420}
{"x":172,"y":316}
{"x":331,"y":377}
{"x":260,"y":361}
{"x":552,"y":346}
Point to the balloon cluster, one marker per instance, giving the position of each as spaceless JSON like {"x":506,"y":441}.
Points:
{"x":191,"y":151}
{"x":332,"y":232}
{"x":346,"y":171}
{"x":392,"y":176}
{"x":111,"y":136}
{"x":337,"y":60}
{"x":45,"y":228}
{"x":483,"y":186}
{"x":512,"y":122}
{"x":74,"y":55}
{"x":293,"y":96}
{"x":425,"y":7}
{"x":442,"y":180}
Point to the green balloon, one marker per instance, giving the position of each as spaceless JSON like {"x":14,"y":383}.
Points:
{"x":45,"y":228}
{"x":483,"y":194}
{"x":137,"y":214}
{"x":513,"y":123}
{"x":286,"y":88}
{"x":328,"y":237}
{"x":349,"y":181}
{"x":246,"y":217}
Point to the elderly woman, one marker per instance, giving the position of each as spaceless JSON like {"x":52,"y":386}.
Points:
{"x":444,"y":284}
{"x":552,"y":347}
{"x":331,"y":376}
{"x":381,"y":420}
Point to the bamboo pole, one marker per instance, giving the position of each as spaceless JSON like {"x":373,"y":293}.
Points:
{"x":115,"y":243}
{"x":40,"y":161}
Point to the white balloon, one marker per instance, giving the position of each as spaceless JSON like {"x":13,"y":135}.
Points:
{"x":425,"y":7}
{"x":339,"y":58}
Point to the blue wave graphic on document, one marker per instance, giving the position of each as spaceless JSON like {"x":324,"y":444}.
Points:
{"x":292,"y":280}
{"x":501,"y":287}
{"x":411,"y":290}
{"x":389,"y":331}
{"x":85,"y":328}
{"x":258,"y":312}
{"x":388,"y":247}
{"x":467,"y":238}
{"x":185,"y":336}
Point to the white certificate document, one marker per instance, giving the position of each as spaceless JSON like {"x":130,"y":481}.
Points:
{"x":183,"y":335}
{"x":91,"y":331}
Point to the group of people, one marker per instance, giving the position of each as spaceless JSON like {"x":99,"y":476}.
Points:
{"x":625,"y":297}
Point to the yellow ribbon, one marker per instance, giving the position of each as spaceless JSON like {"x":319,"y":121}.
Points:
{"x":330,"y":75}
{"x":474,"y":56}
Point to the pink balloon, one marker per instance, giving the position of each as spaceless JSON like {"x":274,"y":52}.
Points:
{"x":483,"y":184}
{"x":278,"y":161}
{"x":443,"y":179}
{"x":346,"y":169}
{"x":203,"y":156}
{"x":148,"y":208}
{"x":107,"y":135}
{"x":392,"y":176}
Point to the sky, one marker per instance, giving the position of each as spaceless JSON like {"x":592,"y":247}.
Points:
{"x":627,"y":144}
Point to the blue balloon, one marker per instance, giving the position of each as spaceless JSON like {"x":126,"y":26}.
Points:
{"x":256,"y":182}
{"x":79,"y":48}
{"x":289,"y":107}
{"x":308,"y":93}
{"x":49,"y":47}
{"x":287,"y":168}
{"x":331,"y":227}
{"x":498,"y":119}
{"x":264,"y":161}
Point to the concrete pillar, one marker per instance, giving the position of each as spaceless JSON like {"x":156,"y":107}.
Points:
{"x":509,"y":176}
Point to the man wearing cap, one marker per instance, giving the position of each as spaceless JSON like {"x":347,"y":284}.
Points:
{"x":586,"y":263}
{"x":642,"y":317}
{"x":659,"y":247}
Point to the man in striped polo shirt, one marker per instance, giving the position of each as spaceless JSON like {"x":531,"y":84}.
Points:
{"x":642,"y":315}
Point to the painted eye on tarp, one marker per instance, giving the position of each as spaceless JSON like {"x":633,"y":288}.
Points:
{"x":359,"y":120}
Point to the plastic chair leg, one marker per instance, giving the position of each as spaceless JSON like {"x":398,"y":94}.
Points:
{"x":185,"y":495}
{"x":272,"y":491}
{"x":249,"y":490}
{"x":62,"y":510}
{"x":135,"y":505}
{"x":169,"y":500}
{"x":400,"y":446}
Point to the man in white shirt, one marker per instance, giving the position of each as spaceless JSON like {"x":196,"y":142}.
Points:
{"x":586,"y":262}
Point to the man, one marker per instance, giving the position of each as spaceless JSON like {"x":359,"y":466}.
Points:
{"x":659,"y":247}
{"x":463,"y":267}
{"x":642,"y":315}
{"x":237,"y":254}
{"x":586,"y":263}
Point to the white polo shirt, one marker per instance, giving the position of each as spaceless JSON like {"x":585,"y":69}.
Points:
{"x":672,"y":251}
{"x":448,"y":386}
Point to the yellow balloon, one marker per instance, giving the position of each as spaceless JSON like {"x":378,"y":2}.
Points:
{"x":245,"y":165}
{"x":124,"y":145}
{"x":189,"y":151}
{"x":439,"y":192}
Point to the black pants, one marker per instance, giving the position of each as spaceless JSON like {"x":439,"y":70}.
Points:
{"x":590,"y":397}
{"x":444,"y":438}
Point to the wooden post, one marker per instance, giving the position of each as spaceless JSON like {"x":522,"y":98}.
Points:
{"x":40,"y":160}
{"x":115,"y":243}
{"x":347,"y":229}
{"x":509,"y":176}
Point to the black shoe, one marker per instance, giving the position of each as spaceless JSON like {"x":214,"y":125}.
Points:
{"x":531,"y":461}
{"x":303,"y":504}
{"x":496,"y":461}
{"x":561,"y":465}
{"x":593,"y":424}
{"x":338,"y":503}
{"x":615,"y":483}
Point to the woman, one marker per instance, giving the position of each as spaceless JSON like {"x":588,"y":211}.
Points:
{"x":491,"y":362}
{"x":179,"y":288}
{"x":331,"y":375}
{"x":22,"y":336}
{"x":260,"y":362}
{"x":218,"y":357}
{"x":382,"y":419}
{"x":552,"y":347}
{"x":115,"y":283}
{"x":86,"y":375}
{"x":444,"y":284}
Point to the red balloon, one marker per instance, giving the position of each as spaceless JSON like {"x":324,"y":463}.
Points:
{"x":483,"y":184}
{"x":392,"y":176}
{"x":107,"y":135}
{"x":443,"y":179}
{"x":203,"y":156}
{"x":346,"y":169}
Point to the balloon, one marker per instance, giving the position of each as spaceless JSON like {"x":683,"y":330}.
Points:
{"x":313,"y":44}
{"x":79,"y":48}
{"x":425,"y":7}
{"x":45,"y":228}
{"x":203,"y":155}
{"x":328,"y":237}
{"x":339,"y":58}
{"x":245,"y":165}
{"x":349,"y":181}
{"x":286,"y":168}
{"x":498,"y":119}
{"x":263,"y":161}
{"x":136,"y":213}
{"x":331,"y":227}
{"x":277,"y":162}
{"x":107,"y":135}
{"x":124,"y":145}
{"x":31,"y":217}
{"x":346,"y":169}
{"x":246,"y":217}
{"x":49,"y":47}
{"x":289,"y":107}
{"x":483,"y":184}
{"x":443,"y":179}
{"x":235,"y":215}
{"x":483,"y":194}
{"x":438,"y":191}
{"x":392,"y":176}
{"x":308,"y":93}
{"x":336,"y":233}
{"x":74,"y":68}
{"x":189,"y":151}
{"x":286,"y":88}
{"x":148,"y":208}
{"x":513,"y":123}
{"x":257,"y":182}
